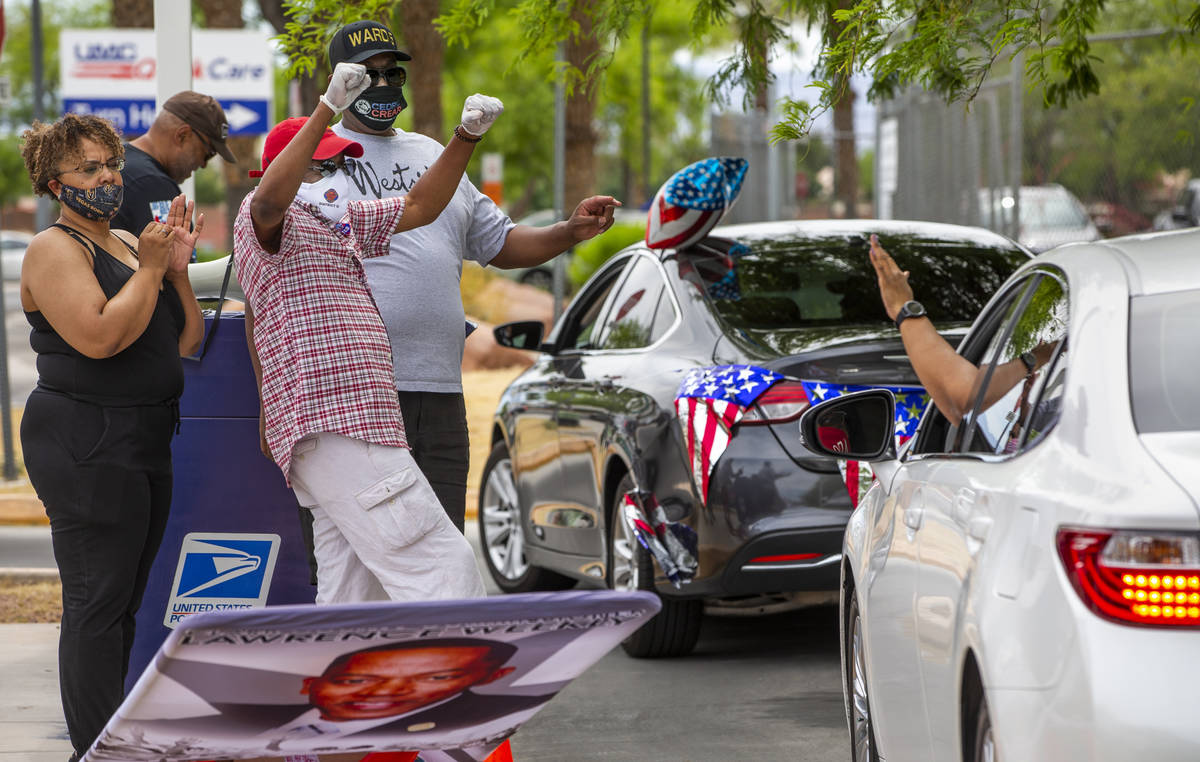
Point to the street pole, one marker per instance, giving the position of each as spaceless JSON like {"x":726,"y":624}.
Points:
{"x":646,"y":102}
{"x":173,"y":58}
{"x":1016,"y":138}
{"x":560,"y":172}
{"x":6,"y":429}
{"x":41,"y":212}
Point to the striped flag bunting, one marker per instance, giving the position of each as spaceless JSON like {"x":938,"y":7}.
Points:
{"x":673,"y":545}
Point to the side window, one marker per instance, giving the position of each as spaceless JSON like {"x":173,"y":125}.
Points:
{"x":583,"y":320}
{"x":630,"y":323}
{"x":1023,"y":373}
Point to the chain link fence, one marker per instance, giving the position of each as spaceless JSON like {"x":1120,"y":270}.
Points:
{"x":1114,"y":164}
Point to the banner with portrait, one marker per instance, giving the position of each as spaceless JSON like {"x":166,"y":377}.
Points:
{"x":451,"y":679}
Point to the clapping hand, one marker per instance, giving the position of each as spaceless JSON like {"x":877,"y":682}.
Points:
{"x":179,"y":219}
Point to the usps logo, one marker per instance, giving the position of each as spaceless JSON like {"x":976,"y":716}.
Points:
{"x":219,"y":571}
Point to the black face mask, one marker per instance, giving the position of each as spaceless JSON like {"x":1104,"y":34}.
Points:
{"x":378,"y":107}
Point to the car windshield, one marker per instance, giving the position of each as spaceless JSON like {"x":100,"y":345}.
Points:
{"x":800,"y":281}
{"x":1162,"y":371}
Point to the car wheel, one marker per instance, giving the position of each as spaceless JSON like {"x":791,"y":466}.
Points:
{"x":502,"y":534}
{"x":862,"y":731}
{"x":538,"y":278}
{"x":674,"y":630}
{"x":985,"y":744}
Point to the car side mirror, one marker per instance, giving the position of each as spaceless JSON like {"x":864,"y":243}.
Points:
{"x":857,"y":426}
{"x":523,"y":334}
{"x":1181,"y":215}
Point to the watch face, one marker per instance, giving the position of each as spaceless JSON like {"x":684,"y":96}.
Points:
{"x":914,"y":309}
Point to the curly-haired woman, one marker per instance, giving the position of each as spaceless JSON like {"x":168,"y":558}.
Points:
{"x":111,"y":316}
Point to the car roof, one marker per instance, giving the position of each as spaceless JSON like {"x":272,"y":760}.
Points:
{"x":822,"y":228}
{"x":1156,"y":263}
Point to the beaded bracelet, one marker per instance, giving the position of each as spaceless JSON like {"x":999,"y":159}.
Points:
{"x":465,"y":136}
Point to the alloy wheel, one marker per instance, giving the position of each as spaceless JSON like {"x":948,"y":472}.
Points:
{"x":503,"y":538}
{"x":624,"y":572}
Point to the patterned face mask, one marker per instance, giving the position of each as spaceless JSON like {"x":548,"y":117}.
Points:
{"x":100,"y":203}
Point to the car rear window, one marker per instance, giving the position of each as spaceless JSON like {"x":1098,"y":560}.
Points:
{"x":794,"y":281}
{"x":1164,"y":361}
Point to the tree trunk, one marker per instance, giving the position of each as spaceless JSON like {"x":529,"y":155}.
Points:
{"x":845,"y":179}
{"x":227,"y":14}
{"x":580,"y":172}
{"x":133,"y":14}
{"x":425,"y":44}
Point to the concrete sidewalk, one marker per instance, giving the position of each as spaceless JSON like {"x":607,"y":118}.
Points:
{"x":32,"y":728}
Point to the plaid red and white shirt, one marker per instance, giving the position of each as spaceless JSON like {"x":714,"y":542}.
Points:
{"x":325,"y":355}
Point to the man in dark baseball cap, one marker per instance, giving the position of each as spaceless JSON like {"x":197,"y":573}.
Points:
{"x":355,"y":43}
{"x":187,"y":132}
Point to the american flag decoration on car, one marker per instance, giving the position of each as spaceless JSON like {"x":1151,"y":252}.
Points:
{"x":692,"y":201}
{"x":911,"y":402}
{"x":673,"y":545}
{"x":710,"y":401}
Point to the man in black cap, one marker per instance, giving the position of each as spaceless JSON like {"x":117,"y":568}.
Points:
{"x":417,"y":287}
{"x":189,"y":130}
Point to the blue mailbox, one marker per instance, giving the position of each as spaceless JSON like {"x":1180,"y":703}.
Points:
{"x":233,"y":539}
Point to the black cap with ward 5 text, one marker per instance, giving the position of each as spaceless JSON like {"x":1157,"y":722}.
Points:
{"x":355,"y":43}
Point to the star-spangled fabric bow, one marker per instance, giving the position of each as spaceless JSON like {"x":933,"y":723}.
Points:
{"x":692,"y":201}
{"x":710,"y":401}
{"x":911,"y":402}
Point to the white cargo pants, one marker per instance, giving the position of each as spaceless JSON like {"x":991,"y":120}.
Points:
{"x":379,"y":532}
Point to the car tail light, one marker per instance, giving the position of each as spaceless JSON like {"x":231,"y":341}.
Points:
{"x":783,"y":402}
{"x":1149,"y":578}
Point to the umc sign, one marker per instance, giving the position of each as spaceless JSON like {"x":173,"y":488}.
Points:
{"x":110,"y":73}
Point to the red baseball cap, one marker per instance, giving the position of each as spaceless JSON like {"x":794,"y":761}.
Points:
{"x":281,"y":134}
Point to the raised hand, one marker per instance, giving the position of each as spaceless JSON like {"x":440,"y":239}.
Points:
{"x":345,"y":84}
{"x":480,"y":112}
{"x":893,"y":282}
{"x":179,"y":218}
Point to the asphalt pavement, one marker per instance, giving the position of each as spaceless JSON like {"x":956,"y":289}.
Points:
{"x":764,"y":688}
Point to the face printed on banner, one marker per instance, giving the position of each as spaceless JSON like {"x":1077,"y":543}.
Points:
{"x":389,"y":682}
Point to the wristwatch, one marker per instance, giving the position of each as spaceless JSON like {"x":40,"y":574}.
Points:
{"x":1030,"y":360}
{"x":910,"y":309}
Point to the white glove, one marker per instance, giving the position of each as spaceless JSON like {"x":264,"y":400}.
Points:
{"x":346,"y":84}
{"x":480,"y":112}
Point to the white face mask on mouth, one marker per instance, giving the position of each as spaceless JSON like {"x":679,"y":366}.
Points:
{"x":329,"y":194}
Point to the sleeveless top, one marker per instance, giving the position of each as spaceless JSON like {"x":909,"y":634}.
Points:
{"x":147,"y":372}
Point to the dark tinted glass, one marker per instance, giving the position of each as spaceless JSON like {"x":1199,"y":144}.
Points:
{"x":797,"y":281}
{"x":1164,"y":361}
{"x":632,"y":317}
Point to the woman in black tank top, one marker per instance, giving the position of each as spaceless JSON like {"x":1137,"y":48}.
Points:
{"x":111,"y":317}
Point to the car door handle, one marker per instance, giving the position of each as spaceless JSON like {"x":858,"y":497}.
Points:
{"x":913,"y":517}
{"x":964,"y":503}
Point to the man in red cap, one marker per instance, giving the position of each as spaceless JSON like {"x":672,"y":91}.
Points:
{"x":330,"y":418}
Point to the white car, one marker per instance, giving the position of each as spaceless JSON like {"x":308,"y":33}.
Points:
{"x":1050,"y":215}
{"x":1025,"y":586}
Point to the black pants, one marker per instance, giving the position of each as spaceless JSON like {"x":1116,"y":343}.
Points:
{"x":436,"y":426}
{"x":104,"y":476}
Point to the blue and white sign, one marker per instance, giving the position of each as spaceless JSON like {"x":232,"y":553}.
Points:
{"x":221,"y":571}
{"x":110,"y":73}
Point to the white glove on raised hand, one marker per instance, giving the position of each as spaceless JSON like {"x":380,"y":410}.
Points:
{"x":480,"y":112}
{"x":346,"y":84}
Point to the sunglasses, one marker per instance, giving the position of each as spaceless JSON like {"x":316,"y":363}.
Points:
{"x":327,"y":168}
{"x":209,"y":150}
{"x":395,"y":76}
{"x":90,"y":169}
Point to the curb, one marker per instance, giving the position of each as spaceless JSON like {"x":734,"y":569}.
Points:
{"x":27,"y":575}
{"x":22,"y":509}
